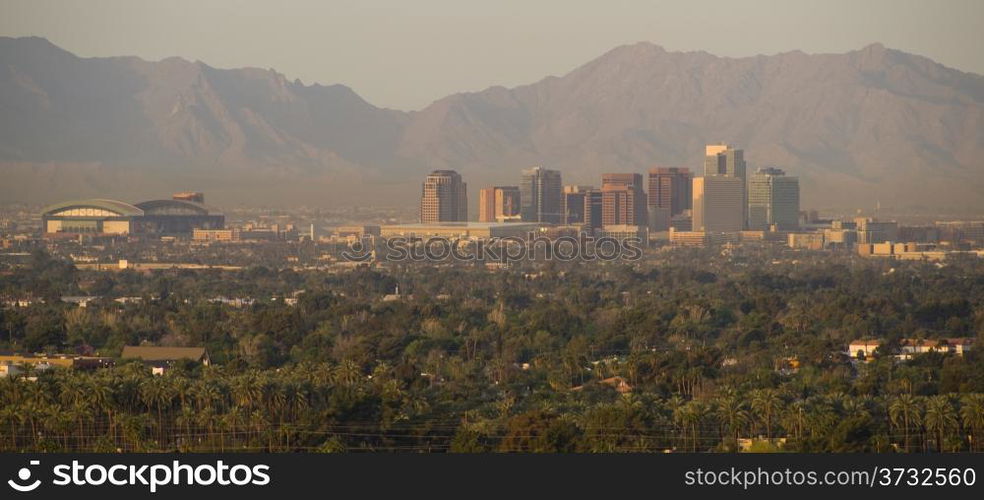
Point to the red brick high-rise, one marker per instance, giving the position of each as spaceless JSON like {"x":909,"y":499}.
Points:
{"x":623,"y":200}
{"x":670,"y":193}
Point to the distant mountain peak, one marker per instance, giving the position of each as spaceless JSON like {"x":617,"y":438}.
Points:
{"x":870,"y":122}
{"x":873,"y":47}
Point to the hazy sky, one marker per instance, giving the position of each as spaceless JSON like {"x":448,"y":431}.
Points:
{"x":407,"y":53}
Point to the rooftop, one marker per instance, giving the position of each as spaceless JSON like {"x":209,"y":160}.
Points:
{"x":463,"y":225}
{"x":120,"y":207}
{"x":151,"y":353}
{"x":171,"y":206}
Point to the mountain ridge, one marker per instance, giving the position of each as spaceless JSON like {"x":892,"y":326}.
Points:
{"x":874,"y":123}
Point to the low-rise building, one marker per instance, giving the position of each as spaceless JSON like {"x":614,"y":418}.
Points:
{"x":875,"y":231}
{"x":8,"y":369}
{"x":45,"y":361}
{"x":908,"y":347}
{"x":215,"y":234}
{"x":357,"y":231}
{"x":863,"y":349}
{"x":623,"y":231}
{"x":957,"y":345}
{"x":160,"y":359}
{"x":807,"y":241}
{"x":968,"y":232}
{"x":839,"y":238}
{"x":701,"y":238}
{"x":907,"y":251}
{"x":468,"y":230}
{"x":763,"y":236}
{"x":81,"y":301}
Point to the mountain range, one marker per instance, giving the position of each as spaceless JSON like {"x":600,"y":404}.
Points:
{"x":875,"y":125}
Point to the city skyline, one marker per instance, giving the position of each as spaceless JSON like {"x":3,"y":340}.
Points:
{"x":331,"y":148}
{"x":664,"y":197}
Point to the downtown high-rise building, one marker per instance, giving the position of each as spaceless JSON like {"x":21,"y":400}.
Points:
{"x":498,"y":204}
{"x":573,"y":203}
{"x":773,"y":200}
{"x":540,"y":196}
{"x":593,"y":202}
{"x":623,"y":200}
{"x":669,"y":195}
{"x":724,"y":160}
{"x":444,"y":198}
{"x":718,"y":204}
{"x":486,"y":204}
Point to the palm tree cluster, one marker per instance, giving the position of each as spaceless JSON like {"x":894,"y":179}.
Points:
{"x":690,"y":350}
{"x":324,"y":407}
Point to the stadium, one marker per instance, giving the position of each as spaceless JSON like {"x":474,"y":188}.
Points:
{"x":179,"y":215}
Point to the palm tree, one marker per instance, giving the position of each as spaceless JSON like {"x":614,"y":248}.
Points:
{"x":58,"y":420}
{"x":245,"y":391}
{"x":690,"y":416}
{"x":972,"y":415}
{"x":856,"y":407}
{"x":155,"y":393}
{"x":297,"y":397}
{"x":79,"y":413}
{"x":905,"y":412}
{"x":207,"y":397}
{"x":733,"y":414}
{"x":766,"y":404}
{"x":206,"y":419}
{"x":101,"y":398}
{"x":232,"y":421}
{"x":795,"y":418}
{"x":133,"y":427}
{"x":940,"y":417}
{"x":186,"y":418}
{"x":11,"y":413}
{"x":820,"y":415}
{"x":258,"y":422}
{"x":34,"y":410}
{"x":348,"y":372}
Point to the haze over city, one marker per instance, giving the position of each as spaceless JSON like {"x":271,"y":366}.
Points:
{"x":865,"y":124}
{"x":405,"y":55}
{"x":234,"y":229}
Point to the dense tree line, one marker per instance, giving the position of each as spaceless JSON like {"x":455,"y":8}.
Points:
{"x":508,"y":360}
{"x":337,"y":407}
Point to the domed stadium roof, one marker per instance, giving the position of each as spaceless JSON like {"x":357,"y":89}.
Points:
{"x":120,"y":208}
{"x":175,"y":207}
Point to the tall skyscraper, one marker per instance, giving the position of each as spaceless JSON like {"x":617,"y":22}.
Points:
{"x":593,"y":201}
{"x":669,"y":195}
{"x":722,"y":159}
{"x":498,"y":204}
{"x":507,"y":203}
{"x":773,"y":199}
{"x":540,"y":196}
{"x":623,"y":200}
{"x":444,"y":198}
{"x":573,"y":203}
{"x":486,"y":204}
{"x":718,"y":204}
